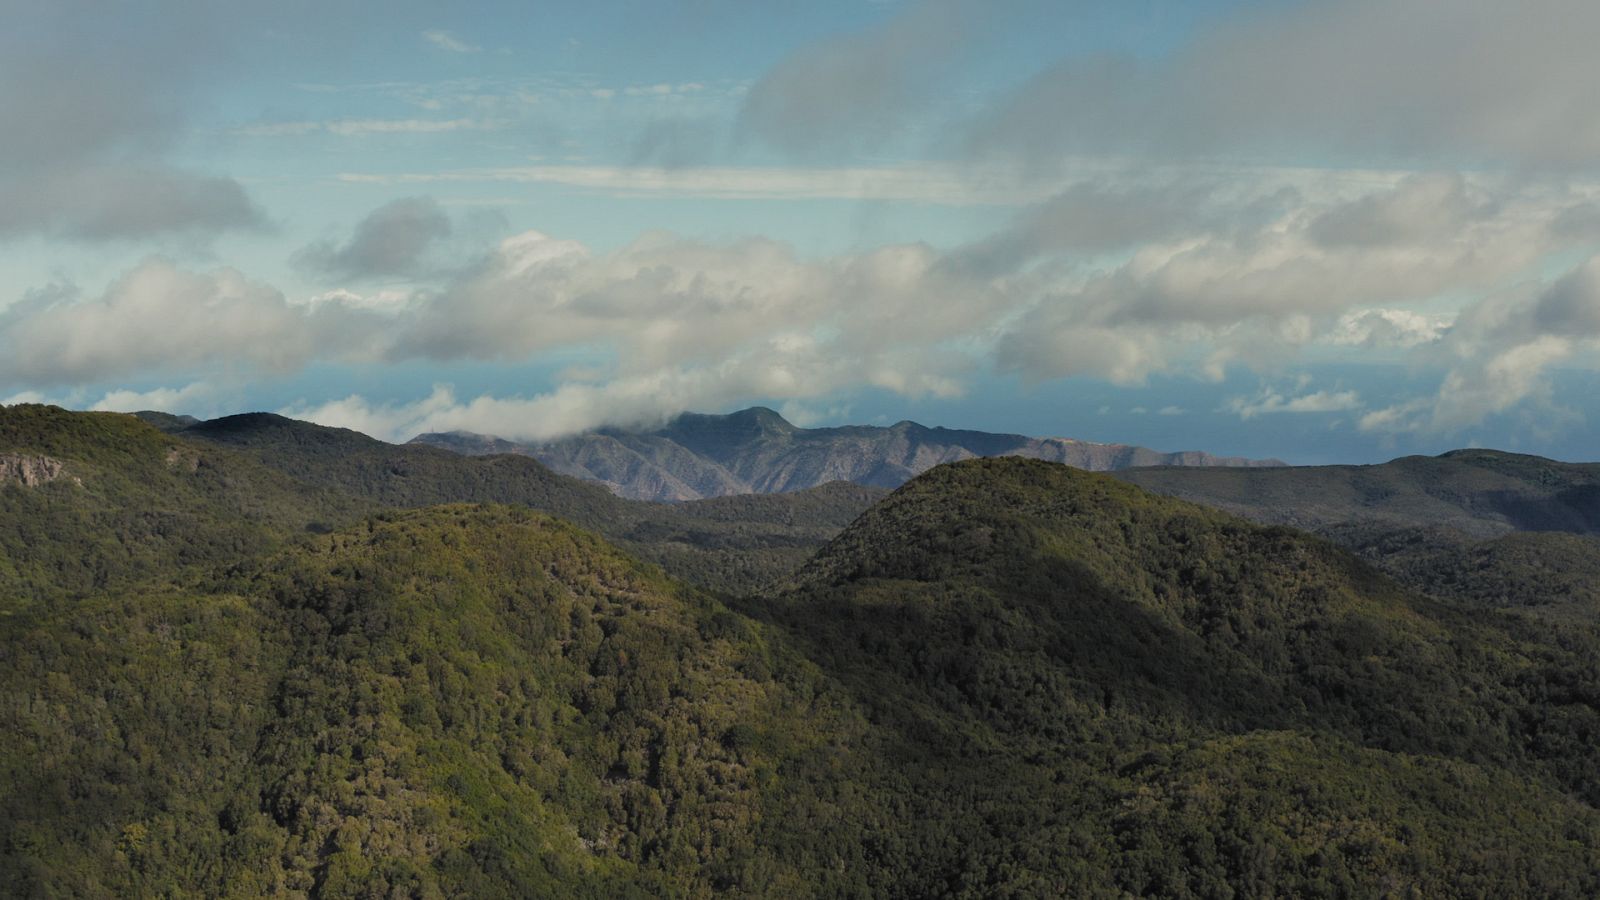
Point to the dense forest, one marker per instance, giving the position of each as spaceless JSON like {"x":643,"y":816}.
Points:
{"x":282,"y":660}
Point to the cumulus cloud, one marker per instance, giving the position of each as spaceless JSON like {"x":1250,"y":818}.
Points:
{"x":391,"y":241}
{"x":685,"y":323}
{"x":1500,"y":352}
{"x":161,"y":318}
{"x":1367,"y":79}
{"x":174,"y":400}
{"x":1257,"y":294}
{"x":666,"y":300}
{"x":90,"y":100}
{"x":1389,"y":328}
{"x":1246,"y":278}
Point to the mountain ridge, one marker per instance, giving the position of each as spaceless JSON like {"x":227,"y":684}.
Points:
{"x":755,"y":450}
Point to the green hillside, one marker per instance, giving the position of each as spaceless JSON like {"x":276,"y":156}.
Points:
{"x":1483,"y":493}
{"x":1216,"y":703}
{"x":134,"y":500}
{"x":461,"y":700}
{"x":1007,"y":679}
{"x":131,"y":502}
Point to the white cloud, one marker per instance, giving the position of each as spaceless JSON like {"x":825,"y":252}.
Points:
{"x":1256,"y":295}
{"x":444,"y":40}
{"x":1474,"y":391}
{"x":1247,"y":279}
{"x":1388,"y":328}
{"x":1271,"y":402}
{"x":174,"y":400}
{"x":161,"y":318}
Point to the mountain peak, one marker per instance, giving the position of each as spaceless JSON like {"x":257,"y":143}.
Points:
{"x":251,"y":427}
{"x":762,"y":416}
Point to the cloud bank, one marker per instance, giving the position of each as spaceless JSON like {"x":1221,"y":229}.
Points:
{"x":1182,"y":280}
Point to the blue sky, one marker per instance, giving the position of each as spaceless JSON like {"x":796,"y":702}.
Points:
{"x":1332,"y":231}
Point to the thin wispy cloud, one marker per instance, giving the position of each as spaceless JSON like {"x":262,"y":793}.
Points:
{"x":444,"y":40}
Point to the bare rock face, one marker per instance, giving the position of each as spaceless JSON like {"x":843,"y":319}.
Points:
{"x":29,"y":471}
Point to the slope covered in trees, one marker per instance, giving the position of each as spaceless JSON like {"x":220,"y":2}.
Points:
{"x":1008,"y":678}
{"x":134,"y":500}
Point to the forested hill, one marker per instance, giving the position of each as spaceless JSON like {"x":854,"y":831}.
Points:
{"x":1481,"y":526}
{"x":1007,"y":679}
{"x":1479,"y":492}
{"x":112,"y":497}
{"x":757,"y":451}
{"x":1196,"y":704}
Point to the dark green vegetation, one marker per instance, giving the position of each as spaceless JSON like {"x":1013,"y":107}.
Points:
{"x":732,"y":544}
{"x":1478,"y":492}
{"x":1008,"y":678}
{"x":1482,"y":526}
{"x":756,"y":450}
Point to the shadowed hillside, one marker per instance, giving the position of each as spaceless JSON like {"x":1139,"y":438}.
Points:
{"x":1487,"y":527}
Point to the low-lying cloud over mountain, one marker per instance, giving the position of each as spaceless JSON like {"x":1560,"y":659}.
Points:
{"x":758,"y":451}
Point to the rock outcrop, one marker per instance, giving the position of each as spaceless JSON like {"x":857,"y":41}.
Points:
{"x":29,"y":471}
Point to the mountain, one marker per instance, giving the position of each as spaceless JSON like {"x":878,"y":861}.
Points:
{"x":1484,"y":526}
{"x":110,"y":498}
{"x":1006,"y":679}
{"x":1479,"y":492}
{"x":757,"y":451}
{"x":1196,"y":705}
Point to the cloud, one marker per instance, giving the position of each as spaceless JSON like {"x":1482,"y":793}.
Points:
{"x":1255,"y":289}
{"x":160,"y":318}
{"x":914,"y":182}
{"x":1422,"y":209}
{"x":444,"y":40}
{"x":1361,"y":79}
{"x":1247,"y":278}
{"x":174,"y":400}
{"x":1571,"y":307}
{"x":676,"y":142}
{"x":392,"y":241}
{"x":574,"y":407}
{"x":91,"y":99}
{"x":367,"y":127}
{"x":124,"y":202}
{"x":1471,"y":393}
{"x":665,"y":300}
{"x":1091,"y":217}
{"x":1500,"y":351}
{"x":1271,"y":402}
{"x":1388,"y":328}
{"x":858,"y":89}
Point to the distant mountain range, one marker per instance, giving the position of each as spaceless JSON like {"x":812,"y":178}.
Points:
{"x":756,"y":451}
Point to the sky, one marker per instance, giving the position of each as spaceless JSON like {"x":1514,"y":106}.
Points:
{"x":1332,"y":231}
